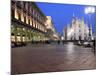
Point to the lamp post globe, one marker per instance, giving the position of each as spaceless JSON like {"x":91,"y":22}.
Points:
{"x":89,"y":11}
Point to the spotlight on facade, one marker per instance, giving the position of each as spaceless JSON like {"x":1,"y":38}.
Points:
{"x":70,"y":32}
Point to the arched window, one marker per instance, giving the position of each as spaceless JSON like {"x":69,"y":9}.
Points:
{"x":12,"y":12}
{"x":30,"y":20}
{"x":16,"y":13}
{"x":22,"y":16}
{"x":19,"y":14}
{"x":26,"y":19}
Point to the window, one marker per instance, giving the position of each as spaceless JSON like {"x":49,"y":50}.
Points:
{"x":38,"y":16}
{"x":41,"y":28}
{"x":19,"y":14}
{"x":22,"y":16}
{"x":13,"y":38}
{"x":37,"y":25}
{"x":21,"y":4}
{"x":18,"y":30}
{"x":16,"y":13}
{"x":26,"y":19}
{"x":30,"y":9}
{"x":12,"y":30}
{"x":12,"y":13}
{"x":26,"y":6}
{"x":23,"y":31}
{"x":34,"y":23}
{"x":18,"y":39}
{"x":31,"y":21}
{"x":33,"y":12}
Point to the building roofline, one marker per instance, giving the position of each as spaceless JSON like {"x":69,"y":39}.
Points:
{"x":39,"y":9}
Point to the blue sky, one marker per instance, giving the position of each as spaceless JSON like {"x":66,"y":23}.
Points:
{"x":62,"y":14}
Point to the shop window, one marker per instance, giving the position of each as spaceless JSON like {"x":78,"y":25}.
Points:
{"x":12,"y":29}
{"x":18,"y":38}
{"x":13,"y":38}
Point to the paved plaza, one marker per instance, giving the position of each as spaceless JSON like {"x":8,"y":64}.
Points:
{"x":51,"y":57}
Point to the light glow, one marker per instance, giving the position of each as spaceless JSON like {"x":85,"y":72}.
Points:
{"x":70,"y":32}
{"x":16,"y":13}
{"x":89,"y":10}
{"x":22,"y":16}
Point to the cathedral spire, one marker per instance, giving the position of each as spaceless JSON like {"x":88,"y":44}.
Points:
{"x":73,"y":15}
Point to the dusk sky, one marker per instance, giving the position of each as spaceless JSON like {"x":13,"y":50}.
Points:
{"x":62,"y":14}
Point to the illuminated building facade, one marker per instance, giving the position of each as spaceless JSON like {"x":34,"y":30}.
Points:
{"x":77,"y":30}
{"x":51,"y":31}
{"x":27,"y":22}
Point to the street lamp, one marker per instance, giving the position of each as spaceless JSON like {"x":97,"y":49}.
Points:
{"x":89,"y":11}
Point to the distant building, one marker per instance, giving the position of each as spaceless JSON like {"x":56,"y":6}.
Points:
{"x":77,"y":30}
{"x":51,"y":31}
